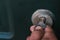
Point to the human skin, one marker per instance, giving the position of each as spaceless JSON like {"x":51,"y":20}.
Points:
{"x":37,"y":33}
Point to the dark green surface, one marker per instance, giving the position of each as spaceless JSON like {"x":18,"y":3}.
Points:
{"x":22,"y":11}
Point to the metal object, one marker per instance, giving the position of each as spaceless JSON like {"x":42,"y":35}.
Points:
{"x":42,"y":17}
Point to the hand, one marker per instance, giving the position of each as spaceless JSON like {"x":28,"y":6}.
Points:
{"x":37,"y":33}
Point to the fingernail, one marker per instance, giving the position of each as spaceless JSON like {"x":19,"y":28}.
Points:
{"x":38,"y":28}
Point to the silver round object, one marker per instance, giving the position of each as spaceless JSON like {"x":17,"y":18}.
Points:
{"x":42,"y":17}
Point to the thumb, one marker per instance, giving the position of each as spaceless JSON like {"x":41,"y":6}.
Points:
{"x":49,"y":34}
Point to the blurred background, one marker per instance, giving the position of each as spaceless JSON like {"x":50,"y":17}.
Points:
{"x":20,"y":11}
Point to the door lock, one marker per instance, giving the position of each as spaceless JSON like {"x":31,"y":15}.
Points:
{"x":42,"y":17}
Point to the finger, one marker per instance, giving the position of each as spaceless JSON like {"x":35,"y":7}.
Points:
{"x":49,"y":34}
{"x":32,"y":28}
{"x":37,"y":33}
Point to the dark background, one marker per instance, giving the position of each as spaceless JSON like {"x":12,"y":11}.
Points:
{"x":22,"y":11}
